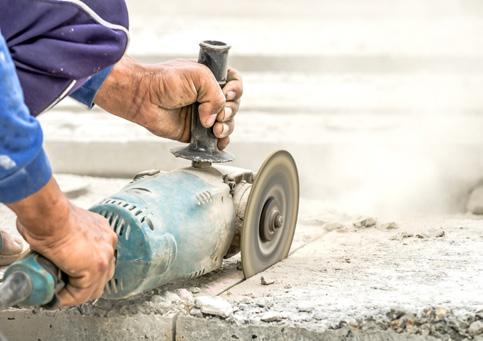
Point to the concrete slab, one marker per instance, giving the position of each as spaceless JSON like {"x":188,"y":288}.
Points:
{"x":72,"y":325}
{"x":189,"y":328}
{"x":356,"y":273}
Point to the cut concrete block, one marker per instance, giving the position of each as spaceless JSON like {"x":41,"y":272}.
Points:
{"x":24,"y":325}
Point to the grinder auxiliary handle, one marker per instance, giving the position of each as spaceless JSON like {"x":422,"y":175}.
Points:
{"x":203,"y":148}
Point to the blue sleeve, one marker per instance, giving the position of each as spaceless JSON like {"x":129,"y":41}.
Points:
{"x":87,"y":92}
{"x":24,"y":167}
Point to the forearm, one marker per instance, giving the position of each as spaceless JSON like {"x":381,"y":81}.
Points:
{"x":24,"y":168}
{"x":43,"y":214}
{"x":121,"y":93}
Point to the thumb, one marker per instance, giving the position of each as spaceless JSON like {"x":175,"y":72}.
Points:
{"x":71,"y":295}
{"x":210,"y":97}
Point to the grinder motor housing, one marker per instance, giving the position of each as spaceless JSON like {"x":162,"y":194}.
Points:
{"x":174,"y":225}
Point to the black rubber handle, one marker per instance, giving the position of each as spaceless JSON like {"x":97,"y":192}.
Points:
{"x":213,"y":54}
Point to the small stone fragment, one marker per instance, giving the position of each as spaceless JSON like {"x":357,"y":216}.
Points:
{"x":333,"y":226}
{"x":405,"y":235}
{"x":440,"y":234}
{"x":186,"y":296}
{"x":440,"y":313}
{"x":264,"y":281}
{"x":421,"y":236}
{"x":476,"y":328}
{"x":390,"y":226}
{"x":195,"y":290}
{"x":271,"y":316}
{"x":245,"y":300}
{"x":263,"y":302}
{"x":305,"y":307}
{"x":214,"y":305}
{"x":196,"y":312}
{"x":395,"y":313}
{"x":170,"y":296}
{"x":365,"y":222}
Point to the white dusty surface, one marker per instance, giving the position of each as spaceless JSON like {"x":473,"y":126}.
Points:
{"x":351,"y":273}
{"x":310,"y":27}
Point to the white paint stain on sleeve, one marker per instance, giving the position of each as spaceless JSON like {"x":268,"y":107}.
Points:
{"x":6,"y":162}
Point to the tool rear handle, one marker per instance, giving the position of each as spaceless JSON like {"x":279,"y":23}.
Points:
{"x":45,"y":278}
{"x":213,"y":54}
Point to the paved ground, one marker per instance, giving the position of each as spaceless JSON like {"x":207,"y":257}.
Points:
{"x":347,"y":275}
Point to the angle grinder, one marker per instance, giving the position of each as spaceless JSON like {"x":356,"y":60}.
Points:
{"x":182,"y":224}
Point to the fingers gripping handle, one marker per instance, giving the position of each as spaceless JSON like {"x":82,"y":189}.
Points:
{"x":203,"y":148}
{"x":214,"y":55}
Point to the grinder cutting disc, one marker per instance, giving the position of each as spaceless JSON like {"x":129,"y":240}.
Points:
{"x":271,"y":214}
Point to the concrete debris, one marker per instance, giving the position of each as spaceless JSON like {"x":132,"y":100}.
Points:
{"x":365,"y":222}
{"x":272,"y":316}
{"x":476,"y":328}
{"x":440,"y":234}
{"x":390,"y":226}
{"x":334,"y":226}
{"x":395,"y":313}
{"x":195,"y":290}
{"x":214,"y":305}
{"x":431,"y":323}
{"x":406,"y":235}
{"x":196,"y":312}
{"x":401,"y":236}
{"x":264,"y":281}
{"x":305,"y":307}
{"x":170,"y":297}
{"x":263,"y":302}
{"x":245,"y":300}
{"x":186,"y":296}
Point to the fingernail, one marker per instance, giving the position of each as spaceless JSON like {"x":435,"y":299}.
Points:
{"x":224,"y":128}
{"x":230,"y":95}
{"x":228,"y":112}
{"x":211,"y":120}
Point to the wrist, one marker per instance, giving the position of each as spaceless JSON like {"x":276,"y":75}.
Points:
{"x":43,"y":215}
{"x":124,"y":90}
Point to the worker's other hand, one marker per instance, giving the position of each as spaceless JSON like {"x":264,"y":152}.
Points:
{"x":159,"y":97}
{"x":79,"y":242}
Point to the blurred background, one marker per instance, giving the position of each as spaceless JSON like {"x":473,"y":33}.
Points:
{"x":380,"y":101}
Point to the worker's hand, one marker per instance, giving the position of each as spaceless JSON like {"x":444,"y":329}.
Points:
{"x":79,"y":242}
{"x":159,"y":97}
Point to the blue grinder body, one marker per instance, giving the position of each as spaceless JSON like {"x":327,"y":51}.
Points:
{"x":170,"y":226}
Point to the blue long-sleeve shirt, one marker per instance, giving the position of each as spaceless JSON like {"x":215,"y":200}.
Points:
{"x":49,"y":49}
{"x":24,"y":167}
